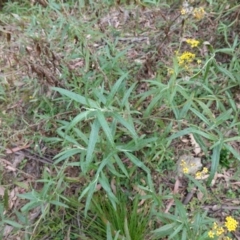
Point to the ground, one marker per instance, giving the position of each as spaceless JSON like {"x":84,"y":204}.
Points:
{"x":119,"y":120}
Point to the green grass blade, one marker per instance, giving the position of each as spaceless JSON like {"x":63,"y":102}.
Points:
{"x":127,"y":95}
{"x":106,"y":186}
{"x":215,"y":161}
{"x":115,"y":88}
{"x":129,"y":126}
{"x":109,"y":233}
{"x":206,"y":109}
{"x":181,"y":211}
{"x":188,"y":131}
{"x":186,"y":107}
{"x":13,"y":223}
{"x":233,"y":151}
{"x":105,"y":127}
{"x":201,"y":116}
{"x":137,"y":162}
{"x":121,"y":165}
{"x":91,"y":144}
{"x":67,"y":154}
{"x":126,"y":229}
{"x":89,"y":190}
{"x":80,"y":117}
{"x":76,"y":97}
{"x":176,"y":231}
{"x":166,"y":230}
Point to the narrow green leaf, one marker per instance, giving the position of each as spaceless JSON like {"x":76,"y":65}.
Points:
{"x":156,"y":100}
{"x":109,"y":233}
{"x":215,"y":161}
{"x":181,"y":211}
{"x":29,"y":195}
{"x":206,"y":109}
{"x":129,"y":126}
{"x":126,"y":229}
{"x":225,"y":50}
{"x":127,"y":94}
{"x":57,"y":203}
{"x":201,"y":143}
{"x":166,"y":230}
{"x":106,"y":186}
{"x":201,"y":116}
{"x":184,"y":234}
{"x":76,"y":97}
{"x":104,"y":162}
{"x":231,"y":100}
{"x":14,"y":224}
{"x":80,"y":117}
{"x":198,"y":184}
{"x":6,"y":199}
{"x":166,"y":216}
{"x":115,"y":88}
{"x":89,"y":190}
{"x":233,"y":151}
{"x":223,"y":117}
{"x":67,"y":138}
{"x":186,"y":106}
{"x":121,"y":165}
{"x":117,"y":235}
{"x":226,"y":72}
{"x":92,"y":142}
{"x":31,"y":205}
{"x":105,"y":127}
{"x":176,"y":231}
{"x":191,"y":130}
{"x":67,"y":154}
{"x":137,"y":162}
{"x":236,"y":138}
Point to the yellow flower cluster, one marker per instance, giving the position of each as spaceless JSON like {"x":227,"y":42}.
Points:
{"x":186,"y":8}
{"x":170,"y":71}
{"x":186,"y":58}
{"x":200,"y":174}
{"x":216,"y":231}
{"x":230,"y":224}
{"x":192,"y":42}
{"x":185,"y":169}
{"x":199,"y":13}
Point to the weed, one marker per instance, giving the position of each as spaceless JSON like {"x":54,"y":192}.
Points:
{"x":107,"y":93}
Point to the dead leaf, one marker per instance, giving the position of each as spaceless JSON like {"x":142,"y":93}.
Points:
{"x":18,"y":159}
{"x":200,"y":195}
{"x":113,"y":186}
{"x":7,"y":230}
{"x":214,"y":179}
{"x":4,"y":162}
{"x":11,"y":169}
{"x":184,"y":139}
{"x":16,"y":149}
{"x":196,"y":146}
{"x":2,"y":190}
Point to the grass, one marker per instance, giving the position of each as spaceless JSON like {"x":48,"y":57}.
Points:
{"x":99,"y":102}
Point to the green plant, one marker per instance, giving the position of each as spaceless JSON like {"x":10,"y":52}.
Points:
{"x":116,"y":91}
{"x":182,"y":226}
{"x":225,"y":158}
{"x":102,"y":152}
{"x":129,"y":220}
